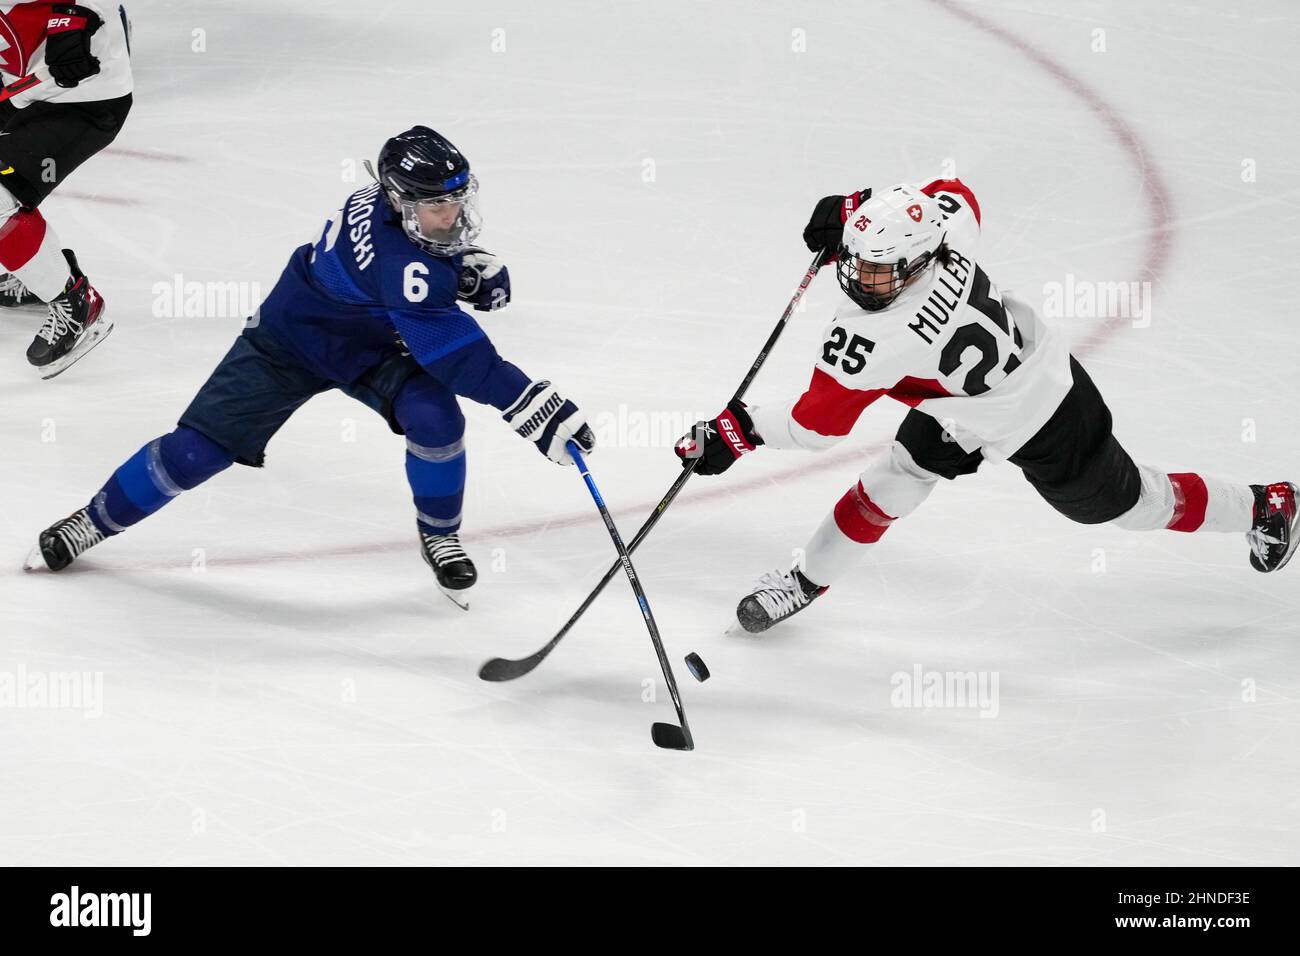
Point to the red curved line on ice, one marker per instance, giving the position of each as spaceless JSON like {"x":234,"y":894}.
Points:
{"x":1157,"y":194}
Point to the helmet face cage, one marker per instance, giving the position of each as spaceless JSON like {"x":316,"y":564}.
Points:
{"x":849,"y":270}
{"x":448,"y":240}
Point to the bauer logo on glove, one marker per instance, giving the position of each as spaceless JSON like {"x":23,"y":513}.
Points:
{"x":67,"y":44}
{"x":718,"y":443}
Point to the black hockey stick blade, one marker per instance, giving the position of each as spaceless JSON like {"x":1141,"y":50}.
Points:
{"x":503,"y":669}
{"x":671,"y":737}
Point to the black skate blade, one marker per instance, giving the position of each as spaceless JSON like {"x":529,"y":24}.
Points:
{"x":670,"y":737}
{"x":502,"y":669}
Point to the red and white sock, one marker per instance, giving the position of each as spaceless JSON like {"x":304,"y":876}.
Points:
{"x":30,"y":250}
{"x":1185,"y":501}
{"x":891,"y":486}
{"x":840,"y":541}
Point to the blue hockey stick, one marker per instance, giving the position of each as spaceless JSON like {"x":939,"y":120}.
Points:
{"x":668,"y":736}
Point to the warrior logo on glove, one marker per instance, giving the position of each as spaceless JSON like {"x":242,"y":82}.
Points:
{"x":547,"y":419}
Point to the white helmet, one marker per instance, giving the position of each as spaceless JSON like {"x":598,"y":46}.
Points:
{"x":901,"y":228}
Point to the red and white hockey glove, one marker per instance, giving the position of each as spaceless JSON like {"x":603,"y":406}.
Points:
{"x":825,"y":228}
{"x":718,"y":443}
{"x":67,"y":44}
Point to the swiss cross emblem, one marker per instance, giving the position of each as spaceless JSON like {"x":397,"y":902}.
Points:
{"x":914,"y":211}
{"x":12,"y":58}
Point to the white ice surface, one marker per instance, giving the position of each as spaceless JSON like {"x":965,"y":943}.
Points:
{"x":310,"y":698}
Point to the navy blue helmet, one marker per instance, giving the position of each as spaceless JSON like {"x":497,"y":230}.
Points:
{"x":428,"y":181}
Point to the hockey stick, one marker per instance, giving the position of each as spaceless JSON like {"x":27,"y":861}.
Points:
{"x":502,"y":668}
{"x":24,"y":83}
{"x":668,"y":736}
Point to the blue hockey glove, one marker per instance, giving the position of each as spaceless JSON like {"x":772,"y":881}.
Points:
{"x":484,"y":281}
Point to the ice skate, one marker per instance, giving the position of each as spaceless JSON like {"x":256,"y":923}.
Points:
{"x":451,"y":566}
{"x":780,"y":594}
{"x":64,"y":541}
{"x":76,"y":323}
{"x":13,"y":294}
{"x":1274,"y":534}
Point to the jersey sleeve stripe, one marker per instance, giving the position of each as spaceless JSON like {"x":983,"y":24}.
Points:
{"x":913,"y":391}
{"x":829,"y":408}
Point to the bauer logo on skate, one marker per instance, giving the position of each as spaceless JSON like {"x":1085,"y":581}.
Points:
{"x":919,"y":688}
{"x":177,"y":298}
{"x":1087,"y":299}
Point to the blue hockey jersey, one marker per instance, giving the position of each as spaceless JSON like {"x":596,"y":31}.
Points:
{"x":363,"y":292}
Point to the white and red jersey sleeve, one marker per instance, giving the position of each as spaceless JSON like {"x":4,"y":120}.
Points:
{"x":948,"y":346}
{"x":23,"y":28}
{"x":961,"y":212}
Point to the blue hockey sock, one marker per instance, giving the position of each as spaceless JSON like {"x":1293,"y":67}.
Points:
{"x":437,"y":478}
{"x":155,"y":475}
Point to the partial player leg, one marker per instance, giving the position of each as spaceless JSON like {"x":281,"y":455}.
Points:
{"x":892,"y":485}
{"x":146,"y":481}
{"x":1186,"y":501}
{"x":250,"y":394}
{"x":74,"y":324}
{"x":435,"y":467}
{"x":31,"y":253}
{"x":41,"y":146}
{"x":13,"y":294}
{"x":427,"y":414}
{"x":1078,"y":466}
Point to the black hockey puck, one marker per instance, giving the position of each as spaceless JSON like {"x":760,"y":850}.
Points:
{"x":695,"y":664}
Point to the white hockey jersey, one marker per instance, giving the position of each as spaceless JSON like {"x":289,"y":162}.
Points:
{"x":986,"y":367}
{"x":22,"y":51}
